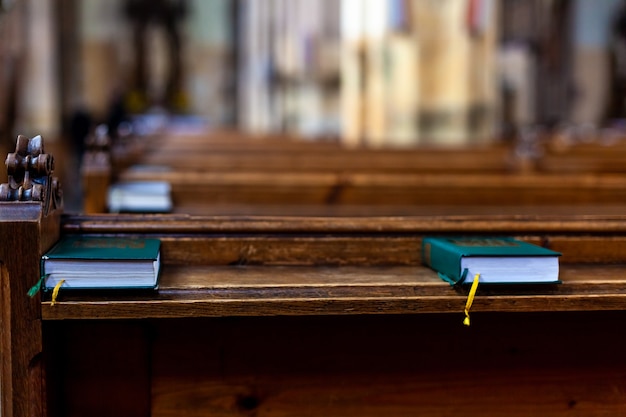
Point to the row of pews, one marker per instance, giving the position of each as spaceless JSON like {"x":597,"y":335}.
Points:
{"x":228,"y":173}
{"x":325,"y":315}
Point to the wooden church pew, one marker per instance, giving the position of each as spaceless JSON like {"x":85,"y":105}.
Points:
{"x":379,"y":190}
{"x":236,"y":152}
{"x":228,"y":172}
{"x":272,"y":180}
{"x":589,"y":153}
{"x":231,"y":150}
{"x":317,"y":169}
{"x":313,"y":315}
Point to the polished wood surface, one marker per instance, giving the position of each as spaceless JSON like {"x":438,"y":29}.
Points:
{"x":30,"y":210}
{"x":23,"y":390}
{"x":323,"y":316}
{"x":27,"y":231}
{"x":336,"y":316}
{"x":333,"y":266}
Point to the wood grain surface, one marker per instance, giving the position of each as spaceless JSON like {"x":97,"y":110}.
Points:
{"x":331,"y":316}
{"x":549,"y":364}
{"x":25,"y":234}
{"x":229,"y":266}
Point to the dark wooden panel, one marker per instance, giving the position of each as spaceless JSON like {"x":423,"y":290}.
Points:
{"x":98,"y":368}
{"x":513,"y":365}
{"x":24,"y":235}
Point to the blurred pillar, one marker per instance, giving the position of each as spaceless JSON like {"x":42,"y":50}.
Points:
{"x":38,"y":104}
{"x":101,"y":27}
{"x":598,"y":30}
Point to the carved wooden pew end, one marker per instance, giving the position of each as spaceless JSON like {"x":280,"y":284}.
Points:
{"x":31,"y":203}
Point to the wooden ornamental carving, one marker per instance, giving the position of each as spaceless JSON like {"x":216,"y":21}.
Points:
{"x":30,"y":178}
{"x":31,"y":205}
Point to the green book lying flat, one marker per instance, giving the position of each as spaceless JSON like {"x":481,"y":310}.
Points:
{"x":496,"y":259}
{"x":102,"y":262}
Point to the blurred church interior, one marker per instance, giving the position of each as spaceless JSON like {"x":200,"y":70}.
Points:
{"x":362,"y":73}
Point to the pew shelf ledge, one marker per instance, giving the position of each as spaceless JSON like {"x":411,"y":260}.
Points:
{"x":219,"y":291}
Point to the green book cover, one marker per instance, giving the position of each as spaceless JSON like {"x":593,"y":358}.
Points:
{"x":102,"y":262}
{"x":496,"y":259}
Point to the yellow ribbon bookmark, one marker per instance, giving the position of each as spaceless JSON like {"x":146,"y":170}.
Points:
{"x":55,"y":292}
{"x":470,"y":299}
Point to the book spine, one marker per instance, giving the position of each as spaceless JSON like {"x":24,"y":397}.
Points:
{"x":442,"y":259}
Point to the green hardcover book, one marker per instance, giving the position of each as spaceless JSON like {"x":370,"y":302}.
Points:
{"x":102,"y":262}
{"x":496,"y":259}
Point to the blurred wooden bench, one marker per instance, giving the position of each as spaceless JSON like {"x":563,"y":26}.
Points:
{"x":224,"y":151}
{"x":244,"y":174}
{"x":193,"y":192}
{"x":229,"y":173}
{"x":313,"y":316}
